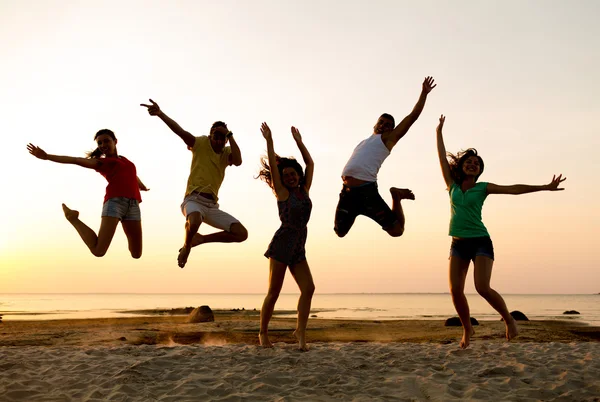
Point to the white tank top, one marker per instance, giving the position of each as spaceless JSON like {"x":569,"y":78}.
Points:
{"x":367,"y":158}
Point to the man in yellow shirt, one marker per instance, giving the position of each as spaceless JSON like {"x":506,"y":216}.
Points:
{"x":209,"y":160}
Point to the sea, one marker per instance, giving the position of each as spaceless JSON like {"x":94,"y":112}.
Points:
{"x":353,"y":306}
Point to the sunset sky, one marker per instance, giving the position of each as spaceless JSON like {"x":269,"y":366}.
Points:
{"x":518,"y":80}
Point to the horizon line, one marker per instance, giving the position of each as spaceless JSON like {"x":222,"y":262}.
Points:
{"x":262,"y":293}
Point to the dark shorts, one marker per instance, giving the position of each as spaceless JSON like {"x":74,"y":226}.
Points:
{"x":469,"y":248}
{"x":362,"y":200}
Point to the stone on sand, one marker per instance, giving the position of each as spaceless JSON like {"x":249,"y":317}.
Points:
{"x":201,"y":314}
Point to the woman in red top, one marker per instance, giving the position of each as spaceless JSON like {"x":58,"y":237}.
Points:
{"x":121,"y":202}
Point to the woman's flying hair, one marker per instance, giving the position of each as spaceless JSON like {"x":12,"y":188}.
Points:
{"x":265,"y":172}
{"x":457,"y":161}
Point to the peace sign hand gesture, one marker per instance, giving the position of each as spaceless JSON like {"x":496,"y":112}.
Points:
{"x":153,"y":109}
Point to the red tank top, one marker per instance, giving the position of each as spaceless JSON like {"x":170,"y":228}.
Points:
{"x":121,"y":176}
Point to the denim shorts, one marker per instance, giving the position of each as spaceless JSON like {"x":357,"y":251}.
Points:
{"x":469,"y":248}
{"x":126,"y":209}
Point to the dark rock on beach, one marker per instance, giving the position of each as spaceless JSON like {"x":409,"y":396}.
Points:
{"x":201,"y":314}
{"x":455,"y":322}
{"x":571,"y":312}
{"x":518,"y":316}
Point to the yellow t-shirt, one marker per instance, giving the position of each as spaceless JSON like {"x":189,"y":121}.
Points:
{"x":208,"y":168}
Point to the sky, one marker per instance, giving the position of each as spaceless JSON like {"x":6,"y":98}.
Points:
{"x":516,"y":79}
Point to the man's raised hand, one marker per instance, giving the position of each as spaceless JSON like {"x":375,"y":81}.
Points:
{"x":428,"y":84}
{"x":153,"y":109}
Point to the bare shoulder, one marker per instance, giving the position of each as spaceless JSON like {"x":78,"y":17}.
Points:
{"x":282,"y":194}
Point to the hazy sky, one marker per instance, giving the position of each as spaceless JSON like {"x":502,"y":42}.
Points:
{"x":518,"y":80}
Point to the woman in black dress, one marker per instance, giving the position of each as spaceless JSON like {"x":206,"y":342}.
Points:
{"x":291,"y":187}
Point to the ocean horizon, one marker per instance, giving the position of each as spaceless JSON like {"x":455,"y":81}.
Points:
{"x":355,"y":306}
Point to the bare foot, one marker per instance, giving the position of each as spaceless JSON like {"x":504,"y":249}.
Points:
{"x":197,"y":240}
{"x":511,"y":329}
{"x":264,"y":340}
{"x":466,"y":339}
{"x":402,"y":193}
{"x":70,"y":214}
{"x":301,"y":336}
{"x":184,"y":253}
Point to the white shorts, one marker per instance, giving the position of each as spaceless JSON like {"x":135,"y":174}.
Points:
{"x":209,"y":211}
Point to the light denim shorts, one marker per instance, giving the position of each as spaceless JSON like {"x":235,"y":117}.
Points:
{"x":126,"y":209}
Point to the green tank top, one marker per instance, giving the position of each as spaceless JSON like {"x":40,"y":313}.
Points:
{"x":465,"y":210}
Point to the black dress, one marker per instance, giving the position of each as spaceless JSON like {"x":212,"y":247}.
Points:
{"x":287,"y":245}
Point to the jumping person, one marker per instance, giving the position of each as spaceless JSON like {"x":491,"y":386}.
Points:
{"x":209,"y":160}
{"x":291,"y":187}
{"x":359,"y":195}
{"x":121,"y":202}
{"x":470,"y":238}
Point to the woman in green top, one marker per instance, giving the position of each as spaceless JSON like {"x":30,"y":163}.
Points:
{"x":470,"y":239}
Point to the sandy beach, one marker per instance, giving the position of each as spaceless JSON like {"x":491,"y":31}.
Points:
{"x":164,"y":358}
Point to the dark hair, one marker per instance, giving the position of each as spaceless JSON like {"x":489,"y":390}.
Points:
{"x":282,"y":163}
{"x":457,"y":161}
{"x":390,"y":117}
{"x":217,"y":124}
{"x":96,"y":153}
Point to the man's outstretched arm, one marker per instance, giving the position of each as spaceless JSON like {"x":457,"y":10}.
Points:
{"x":154,"y":110}
{"x":390,"y":139}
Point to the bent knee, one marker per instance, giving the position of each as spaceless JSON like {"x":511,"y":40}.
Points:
{"x":194,"y":219}
{"x":483,"y":290}
{"x":309,"y":290}
{"x":396,"y":232}
{"x":99,"y":253}
{"x":240,"y":232}
{"x":192,"y":226}
{"x":340,"y":233}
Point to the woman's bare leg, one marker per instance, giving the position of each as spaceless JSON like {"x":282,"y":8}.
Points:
{"x":276,"y":276}
{"x":458,"y":275}
{"x":303,"y":277}
{"x":133,"y":231}
{"x":99,"y":244}
{"x":483,"y":276}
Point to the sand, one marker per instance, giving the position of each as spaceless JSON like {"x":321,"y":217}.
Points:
{"x":163,"y":358}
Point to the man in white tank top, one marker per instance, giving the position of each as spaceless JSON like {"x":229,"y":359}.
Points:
{"x":359,"y":194}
